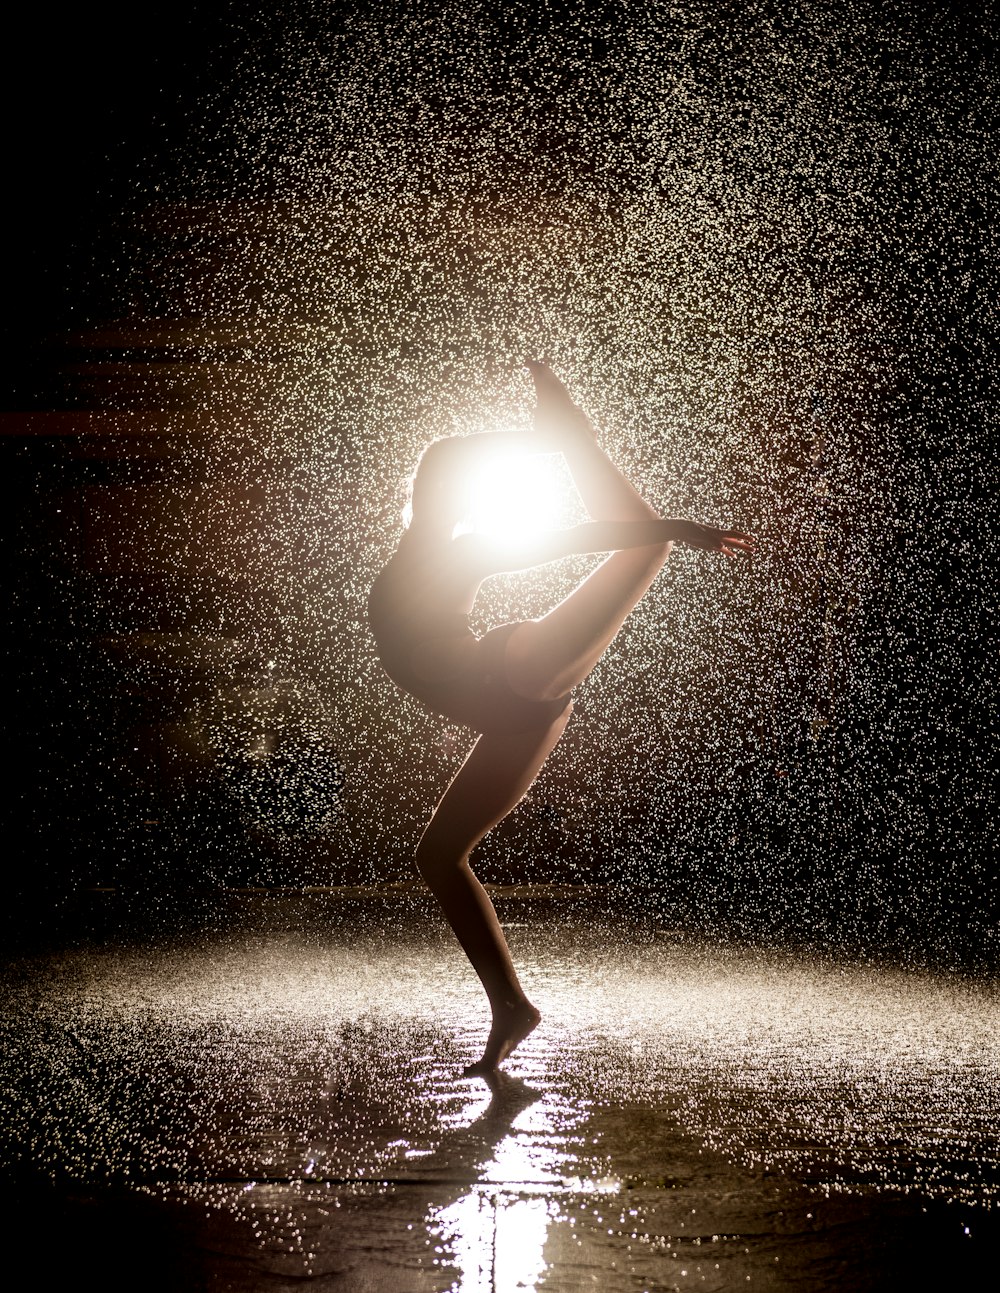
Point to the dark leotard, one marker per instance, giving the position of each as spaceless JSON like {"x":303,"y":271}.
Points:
{"x":477,"y":693}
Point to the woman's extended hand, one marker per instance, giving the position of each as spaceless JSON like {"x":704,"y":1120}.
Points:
{"x":706,"y":538}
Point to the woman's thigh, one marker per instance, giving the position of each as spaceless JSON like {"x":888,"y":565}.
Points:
{"x":549,"y":656}
{"x":492,"y":781}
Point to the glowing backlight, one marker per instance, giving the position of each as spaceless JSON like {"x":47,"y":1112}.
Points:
{"x":514,"y":495}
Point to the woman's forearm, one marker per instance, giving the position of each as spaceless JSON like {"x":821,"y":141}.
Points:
{"x":615,"y":536}
{"x":491,"y":556}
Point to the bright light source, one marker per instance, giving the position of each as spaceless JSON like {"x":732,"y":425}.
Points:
{"x":518,"y":494}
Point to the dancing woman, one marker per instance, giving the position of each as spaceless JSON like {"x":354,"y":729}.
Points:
{"x":512,"y":685}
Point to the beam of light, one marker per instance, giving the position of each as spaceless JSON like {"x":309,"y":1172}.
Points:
{"x":735,"y":276}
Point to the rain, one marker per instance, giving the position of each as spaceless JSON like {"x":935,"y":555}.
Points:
{"x":754,"y":883}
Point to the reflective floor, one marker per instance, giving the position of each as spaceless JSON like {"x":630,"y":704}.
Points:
{"x":272,"y":1100}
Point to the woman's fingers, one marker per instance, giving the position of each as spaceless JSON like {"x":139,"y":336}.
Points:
{"x":745,"y":542}
{"x":732,"y":543}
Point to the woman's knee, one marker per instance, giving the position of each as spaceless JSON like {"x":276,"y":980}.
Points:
{"x":430,"y":867}
{"x":437,"y":853}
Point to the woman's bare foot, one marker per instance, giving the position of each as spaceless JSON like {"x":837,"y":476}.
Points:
{"x":511,"y":1025}
{"x":556,"y":412}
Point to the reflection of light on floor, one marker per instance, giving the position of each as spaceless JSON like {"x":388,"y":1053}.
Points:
{"x":323,"y":1074}
{"x":495,"y":1235}
{"x":468,"y":1109}
{"x":496,"y":1239}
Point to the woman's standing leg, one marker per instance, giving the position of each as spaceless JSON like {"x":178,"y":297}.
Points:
{"x":492,"y":781}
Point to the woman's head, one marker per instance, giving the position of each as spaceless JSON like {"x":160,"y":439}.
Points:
{"x":439,"y":488}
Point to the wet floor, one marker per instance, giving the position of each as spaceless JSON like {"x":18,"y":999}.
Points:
{"x":271,"y":1100}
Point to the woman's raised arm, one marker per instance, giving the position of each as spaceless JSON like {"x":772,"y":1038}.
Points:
{"x":498,"y":555}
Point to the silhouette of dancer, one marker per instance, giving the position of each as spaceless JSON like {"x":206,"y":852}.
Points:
{"x":512,"y":685}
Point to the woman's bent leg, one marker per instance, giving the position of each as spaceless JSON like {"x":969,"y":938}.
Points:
{"x":492,"y":781}
{"x":607,"y":494}
{"x":546,"y":658}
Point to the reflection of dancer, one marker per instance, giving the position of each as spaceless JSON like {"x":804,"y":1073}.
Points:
{"x":513,"y":685}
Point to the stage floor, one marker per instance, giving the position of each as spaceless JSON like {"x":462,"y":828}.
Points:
{"x":268,"y":1097}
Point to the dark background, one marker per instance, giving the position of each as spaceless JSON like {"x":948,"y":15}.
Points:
{"x":250,"y":260}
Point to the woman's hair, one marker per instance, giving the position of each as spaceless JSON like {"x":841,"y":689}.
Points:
{"x":440,"y":483}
